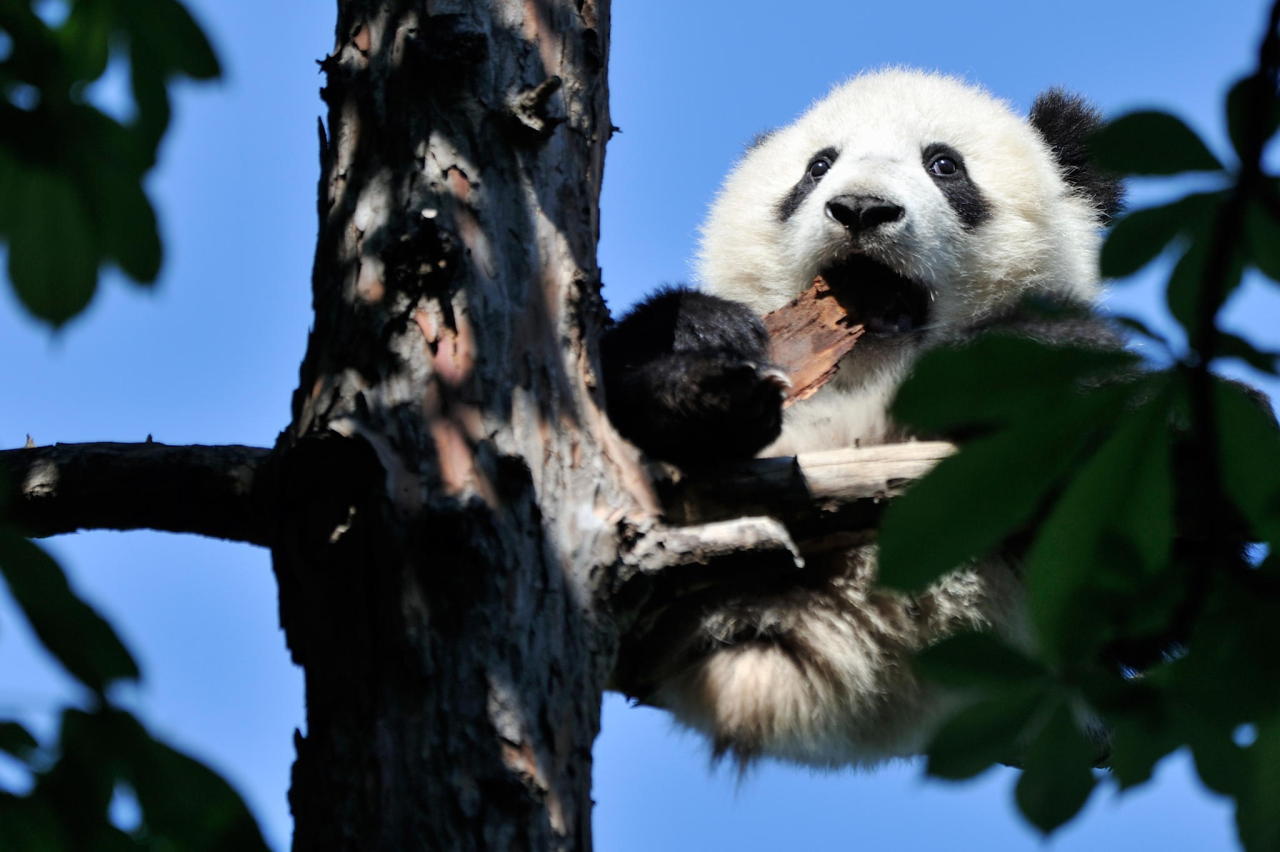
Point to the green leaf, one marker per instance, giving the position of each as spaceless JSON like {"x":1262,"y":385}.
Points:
{"x":977,"y":659}
{"x":147,"y":80}
{"x":1058,"y":777}
{"x":82,"y":782}
{"x":1137,"y":238}
{"x":986,"y":732}
{"x":186,"y":803}
{"x":1249,"y":454}
{"x":16,"y":740}
{"x":1190,"y":278}
{"x":183,"y":804}
{"x":1115,"y":520}
{"x":67,"y":627}
{"x":1150,"y":143}
{"x":1138,"y":743}
{"x":1262,"y":236}
{"x":1231,"y":346}
{"x":11,"y":178}
{"x":1256,"y":803}
{"x":1220,"y":763}
{"x":966,"y":507}
{"x":1240,"y":110}
{"x":971,"y":502}
{"x":126,"y":222}
{"x":164,"y":40}
{"x":53,"y":255}
{"x":28,"y":824}
{"x":998,"y":379}
{"x":85,"y":37}
{"x":1229,"y":673}
{"x":171,"y":38}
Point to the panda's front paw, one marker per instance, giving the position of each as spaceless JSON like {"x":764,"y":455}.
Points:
{"x":696,"y":409}
{"x":688,"y":380}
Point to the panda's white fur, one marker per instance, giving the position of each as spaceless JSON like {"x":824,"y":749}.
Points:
{"x":820,"y":673}
{"x":1041,"y":235}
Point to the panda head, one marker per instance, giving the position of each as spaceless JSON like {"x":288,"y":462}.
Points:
{"x":925,"y":198}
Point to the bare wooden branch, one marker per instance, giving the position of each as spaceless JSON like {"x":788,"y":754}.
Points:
{"x":814,"y":494}
{"x":208,"y":490}
{"x":218,"y":491}
{"x":808,"y":336}
{"x":683,"y":557}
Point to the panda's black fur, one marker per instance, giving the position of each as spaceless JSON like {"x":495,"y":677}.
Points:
{"x":935,"y":192}
{"x":688,"y":379}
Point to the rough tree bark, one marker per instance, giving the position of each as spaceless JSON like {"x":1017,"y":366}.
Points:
{"x":458,"y":534}
{"x":450,"y":494}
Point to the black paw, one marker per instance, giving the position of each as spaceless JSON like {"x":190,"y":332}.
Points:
{"x":688,"y":380}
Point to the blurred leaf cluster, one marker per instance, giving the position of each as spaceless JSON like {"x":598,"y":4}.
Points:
{"x":1152,"y":497}
{"x":72,"y":200}
{"x":71,"y":176}
{"x":102,"y":752}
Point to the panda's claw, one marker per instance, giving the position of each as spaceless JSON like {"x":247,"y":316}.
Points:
{"x":776,"y":377}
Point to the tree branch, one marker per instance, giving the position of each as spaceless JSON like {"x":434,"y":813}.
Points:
{"x":680,"y":558}
{"x":814,"y":494}
{"x":209,"y":490}
{"x":219,"y":491}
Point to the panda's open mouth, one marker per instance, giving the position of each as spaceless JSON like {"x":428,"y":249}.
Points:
{"x":885,"y":302}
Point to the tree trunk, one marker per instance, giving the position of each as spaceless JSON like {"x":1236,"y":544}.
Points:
{"x":451,"y":493}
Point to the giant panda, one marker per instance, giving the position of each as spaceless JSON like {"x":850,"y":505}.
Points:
{"x":937,"y":210}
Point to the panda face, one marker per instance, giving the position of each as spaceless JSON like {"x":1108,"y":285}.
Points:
{"x":927,"y":200}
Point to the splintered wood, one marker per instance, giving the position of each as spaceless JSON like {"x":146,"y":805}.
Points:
{"x":808,"y":336}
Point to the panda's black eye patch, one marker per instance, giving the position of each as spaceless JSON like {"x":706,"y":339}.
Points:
{"x":819,"y":164}
{"x":945,"y":165}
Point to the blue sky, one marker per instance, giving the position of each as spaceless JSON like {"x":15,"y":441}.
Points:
{"x":210,"y":355}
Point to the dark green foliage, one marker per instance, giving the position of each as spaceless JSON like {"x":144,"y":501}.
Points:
{"x":1246,"y":91}
{"x":71,"y":193}
{"x":1151,"y":143}
{"x":1111,"y":528}
{"x":1184,"y":293}
{"x":184,"y":805}
{"x":1139,"y":237}
{"x":16,"y":741}
{"x":1251,"y":459}
{"x":68,"y":628}
{"x":977,"y":659}
{"x":181,"y":803}
{"x":1126,"y":498}
{"x":1012,"y":386}
{"x":1262,"y":233}
{"x":1057,"y":777}
{"x":984,"y":733}
{"x":1260,"y":789}
{"x":1231,"y":346}
{"x":71,"y":199}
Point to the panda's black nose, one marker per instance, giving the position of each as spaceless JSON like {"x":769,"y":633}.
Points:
{"x":860,"y":213}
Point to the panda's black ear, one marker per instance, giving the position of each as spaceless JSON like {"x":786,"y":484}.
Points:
{"x":759,"y":139}
{"x":1066,"y":121}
